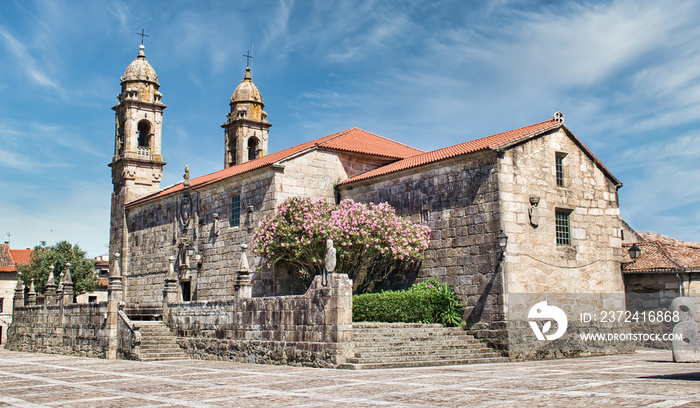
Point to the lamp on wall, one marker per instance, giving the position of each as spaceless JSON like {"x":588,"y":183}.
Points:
{"x":502,"y":240}
{"x":634,"y":251}
{"x":190,"y":251}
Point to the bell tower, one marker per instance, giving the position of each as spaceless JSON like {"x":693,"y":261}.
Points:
{"x":137,"y":164}
{"x":246,"y":126}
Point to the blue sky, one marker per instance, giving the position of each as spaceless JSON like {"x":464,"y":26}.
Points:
{"x":626,"y":74}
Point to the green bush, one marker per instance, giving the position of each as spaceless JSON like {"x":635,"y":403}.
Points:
{"x":425,"y":302}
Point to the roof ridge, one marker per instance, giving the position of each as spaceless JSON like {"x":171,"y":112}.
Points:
{"x":667,"y":255}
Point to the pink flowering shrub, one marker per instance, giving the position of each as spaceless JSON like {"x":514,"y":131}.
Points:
{"x":372,"y":242}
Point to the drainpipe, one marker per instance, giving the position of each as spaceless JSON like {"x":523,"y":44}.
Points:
{"x":680,"y":283}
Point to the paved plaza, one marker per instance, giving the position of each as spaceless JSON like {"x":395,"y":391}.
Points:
{"x":647,"y":378}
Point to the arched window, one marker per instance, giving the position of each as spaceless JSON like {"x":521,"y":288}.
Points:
{"x":252,"y":148}
{"x":144,"y":129}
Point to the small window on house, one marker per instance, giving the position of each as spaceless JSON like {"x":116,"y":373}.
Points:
{"x":563,"y":228}
{"x":2,"y":302}
{"x":559,"y":160}
{"x":235,"y":211}
{"x":92,"y":299}
{"x":144,"y":129}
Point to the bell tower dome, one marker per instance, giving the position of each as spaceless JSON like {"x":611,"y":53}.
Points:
{"x":246,"y":127}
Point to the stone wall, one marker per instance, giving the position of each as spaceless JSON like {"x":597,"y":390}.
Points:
{"x":457,"y":199}
{"x":534,"y":262}
{"x":75,"y":329}
{"x":158,"y":230}
{"x":313,"y":329}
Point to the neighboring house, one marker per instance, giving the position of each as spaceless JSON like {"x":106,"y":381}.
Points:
{"x":99,"y":294}
{"x":665,"y":266}
{"x":10,"y":259}
{"x":539,"y":185}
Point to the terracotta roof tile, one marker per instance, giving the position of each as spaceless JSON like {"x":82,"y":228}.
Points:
{"x":663,"y":256}
{"x":21,"y":256}
{"x":11,"y":258}
{"x":352,"y":140}
{"x":497,"y":141}
{"x":490,"y":142}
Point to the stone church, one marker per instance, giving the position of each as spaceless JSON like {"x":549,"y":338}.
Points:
{"x":539,"y":189}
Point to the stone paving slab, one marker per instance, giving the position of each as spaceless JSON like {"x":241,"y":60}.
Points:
{"x":647,"y":378}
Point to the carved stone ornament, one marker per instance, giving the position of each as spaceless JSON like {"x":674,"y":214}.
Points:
{"x":185,"y":209}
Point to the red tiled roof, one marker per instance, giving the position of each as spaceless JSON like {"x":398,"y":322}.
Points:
{"x":663,"y":256}
{"x":11,"y":258}
{"x":352,"y":140}
{"x":21,"y":256}
{"x":497,"y":141}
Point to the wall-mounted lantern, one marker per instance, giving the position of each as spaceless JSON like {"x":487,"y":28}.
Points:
{"x":502,"y":240}
{"x":634,"y":251}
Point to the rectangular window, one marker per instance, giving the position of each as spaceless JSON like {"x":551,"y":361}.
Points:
{"x":2,"y":301}
{"x":563,"y":228}
{"x":560,"y":169}
{"x":235,"y":211}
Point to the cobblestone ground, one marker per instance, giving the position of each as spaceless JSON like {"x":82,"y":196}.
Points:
{"x":647,"y":378}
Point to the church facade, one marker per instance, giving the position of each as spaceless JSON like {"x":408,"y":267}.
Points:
{"x":538,"y":185}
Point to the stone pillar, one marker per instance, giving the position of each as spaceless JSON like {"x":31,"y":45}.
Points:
{"x":19,"y":294}
{"x":31,"y":296}
{"x":242,"y":287}
{"x":67,"y":286}
{"x":170,"y":291}
{"x":50,"y":293}
{"x":114,"y":297}
{"x":115,"y":289}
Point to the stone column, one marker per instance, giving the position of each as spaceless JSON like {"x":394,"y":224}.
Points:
{"x":50,"y":293}
{"x":19,"y":294}
{"x":67,"y":286}
{"x":170,"y":291}
{"x":114,"y":297}
{"x":115,"y":289}
{"x":242,"y":287}
{"x":31,"y":296}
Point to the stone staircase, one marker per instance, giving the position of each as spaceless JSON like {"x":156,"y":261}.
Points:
{"x":158,"y":343}
{"x":396,"y":345}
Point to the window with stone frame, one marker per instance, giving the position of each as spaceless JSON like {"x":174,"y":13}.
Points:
{"x":559,"y":168}
{"x":563,"y":227}
{"x":235,"y":220}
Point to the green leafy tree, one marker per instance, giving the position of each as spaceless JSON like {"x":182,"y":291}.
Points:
{"x":82,"y":271}
{"x":373,"y":243}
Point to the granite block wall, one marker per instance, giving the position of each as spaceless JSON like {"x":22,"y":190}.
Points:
{"x":75,"y":329}
{"x":313,"y":329}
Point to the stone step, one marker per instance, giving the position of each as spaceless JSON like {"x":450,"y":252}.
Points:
{"x":414,"y":343}
{"x":158,"y":343}
{"x":464,"y":348}
{"x":391,"y":345}
{"x":408,"y":356}
{"x":425,"y":363}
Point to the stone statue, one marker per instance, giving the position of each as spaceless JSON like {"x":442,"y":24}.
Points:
{"x":330,"y":256}
{"x":186,"y":176}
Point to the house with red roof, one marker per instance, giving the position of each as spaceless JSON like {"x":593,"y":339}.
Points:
{"x":529,"y":210}
{"x":10,"y":259}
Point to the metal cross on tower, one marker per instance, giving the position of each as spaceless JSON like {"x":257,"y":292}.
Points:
{"x":142,"y":34}
{"x":248,"y":57}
